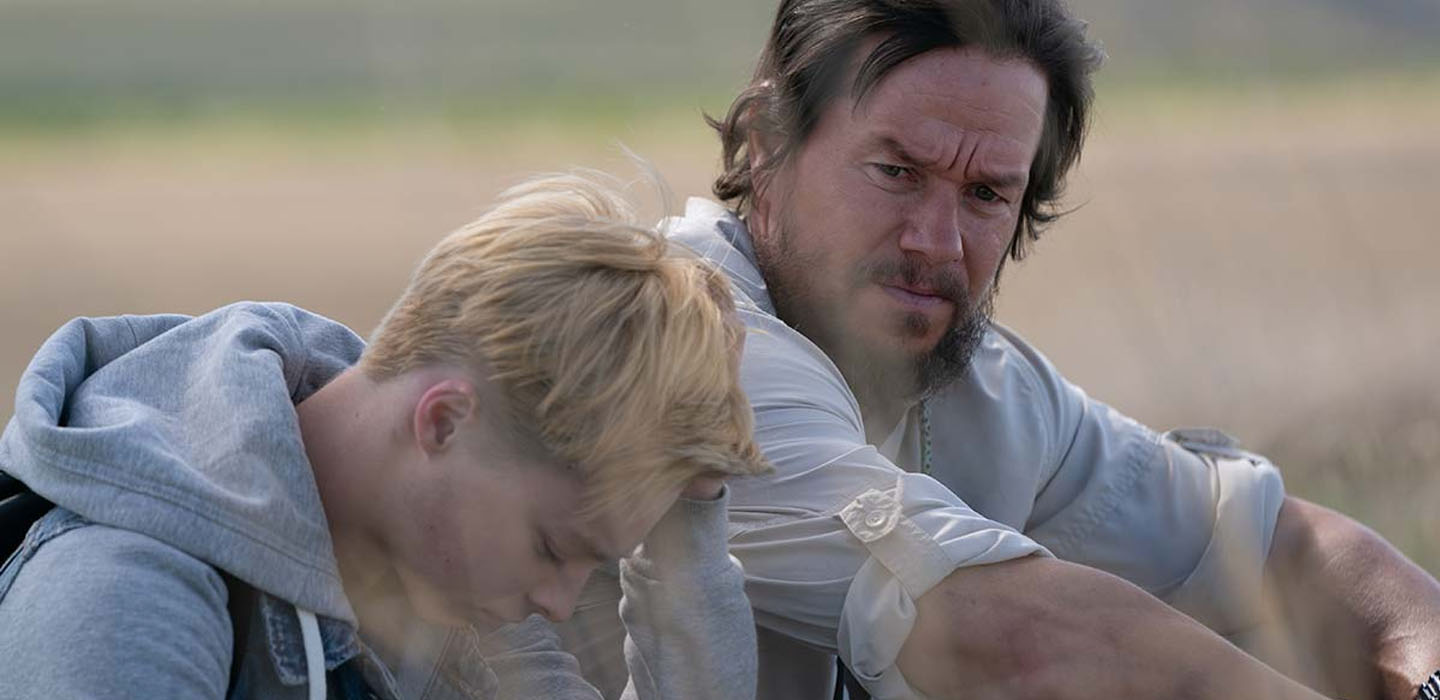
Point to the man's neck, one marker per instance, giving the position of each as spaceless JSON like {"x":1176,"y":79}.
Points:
{"x":881,"y":413}
{"x":346,"y":444}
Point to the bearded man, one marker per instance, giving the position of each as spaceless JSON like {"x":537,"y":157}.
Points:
{"x":948,"y":514}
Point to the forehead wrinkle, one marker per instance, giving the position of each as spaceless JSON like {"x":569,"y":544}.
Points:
{"x":978,"y":162}
{"x":891,"y":143}
{"x":965,"y":149}
{"x":930,"y":112}
{"x":945,"y":98}
{"x":949,"y":149}
{"x":924,"y":127}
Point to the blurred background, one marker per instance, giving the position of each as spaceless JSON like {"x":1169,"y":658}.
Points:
{"x":1252,"y":245}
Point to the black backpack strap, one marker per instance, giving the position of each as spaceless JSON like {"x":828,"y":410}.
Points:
{"x":241,"y":606}
{"x":19,"y":509}
{"x":347,"y":681}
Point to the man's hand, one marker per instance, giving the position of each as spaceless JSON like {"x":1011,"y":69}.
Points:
{"x":1356,"y":617}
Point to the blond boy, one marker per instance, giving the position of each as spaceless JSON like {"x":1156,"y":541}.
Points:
{"x":252,"y":503}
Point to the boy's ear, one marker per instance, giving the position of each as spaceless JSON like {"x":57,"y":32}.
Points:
{"x":439,"y":413}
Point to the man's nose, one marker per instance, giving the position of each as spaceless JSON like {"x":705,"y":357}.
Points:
{"x":556,"y":599}
{"x":934,"y":229}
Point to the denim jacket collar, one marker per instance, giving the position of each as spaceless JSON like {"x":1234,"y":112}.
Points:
{"x":287,"y":647}
{"x":461,"y":664}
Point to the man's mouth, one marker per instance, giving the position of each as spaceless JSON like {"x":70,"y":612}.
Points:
{"x":917,"y":297}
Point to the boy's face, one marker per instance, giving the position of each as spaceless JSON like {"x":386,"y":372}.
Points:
{"x":495,"y":535}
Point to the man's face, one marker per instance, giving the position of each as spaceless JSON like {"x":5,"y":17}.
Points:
{"x":496,"y":536}
{"x":881,"y":237}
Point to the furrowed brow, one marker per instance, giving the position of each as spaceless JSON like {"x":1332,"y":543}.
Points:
{"x":892,"y":145}
{"x":897,"y":150}
{"x":1006,"y":180}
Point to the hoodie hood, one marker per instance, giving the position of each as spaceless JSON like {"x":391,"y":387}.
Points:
{"x":184,"y":429}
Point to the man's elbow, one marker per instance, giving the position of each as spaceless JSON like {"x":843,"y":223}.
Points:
{"x":975,"y":636}
{"x":1032,"y":628}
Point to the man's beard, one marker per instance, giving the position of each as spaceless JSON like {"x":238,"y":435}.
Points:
{"x":947,"y":362}
{"x":913,"y":377}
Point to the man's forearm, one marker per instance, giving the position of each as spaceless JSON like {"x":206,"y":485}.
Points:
{"x":1358,"y":618}
{"x":1046,"y":628}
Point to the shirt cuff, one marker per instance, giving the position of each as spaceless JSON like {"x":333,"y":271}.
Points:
{"x":1225,"y":590}
{"x":906,"y":561}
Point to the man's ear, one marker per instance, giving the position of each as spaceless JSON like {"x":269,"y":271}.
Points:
{"x":439,"y":413}
{"x":760,"y":147}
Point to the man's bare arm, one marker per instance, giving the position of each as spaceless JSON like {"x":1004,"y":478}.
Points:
{"x":1044,"y":628}
{"x":1357,"y":618}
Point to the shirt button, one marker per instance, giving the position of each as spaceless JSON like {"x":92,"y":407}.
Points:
{"x":875,"y":519}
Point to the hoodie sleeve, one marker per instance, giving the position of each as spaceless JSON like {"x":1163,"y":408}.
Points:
{"x":103,"y":612}
{"x":690,"y":631}
{"x":528,"y":662}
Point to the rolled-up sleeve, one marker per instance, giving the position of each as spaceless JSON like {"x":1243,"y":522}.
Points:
{"x":839,"y":543}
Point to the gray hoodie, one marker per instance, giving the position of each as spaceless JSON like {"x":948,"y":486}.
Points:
{"x":171,"y":446}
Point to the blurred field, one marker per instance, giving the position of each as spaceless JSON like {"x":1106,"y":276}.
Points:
{"x":1264,"y":260}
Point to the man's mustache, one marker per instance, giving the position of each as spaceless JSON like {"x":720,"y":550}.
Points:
{"x":939,"y":281}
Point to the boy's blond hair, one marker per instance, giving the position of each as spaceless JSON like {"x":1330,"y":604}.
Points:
{"x":614,"y":347}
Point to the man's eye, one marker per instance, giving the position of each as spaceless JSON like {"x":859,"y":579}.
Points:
{"x":894,"y":172}
{"x":985,"y":194}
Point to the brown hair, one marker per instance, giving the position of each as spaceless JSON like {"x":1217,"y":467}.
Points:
{"x":812,"y":45}
{"x":615,"y":348}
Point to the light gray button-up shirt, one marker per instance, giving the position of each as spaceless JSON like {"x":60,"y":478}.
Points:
{"x":842,"y":539}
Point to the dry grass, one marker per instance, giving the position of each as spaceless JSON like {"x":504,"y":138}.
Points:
{"x":1265,"y":262}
